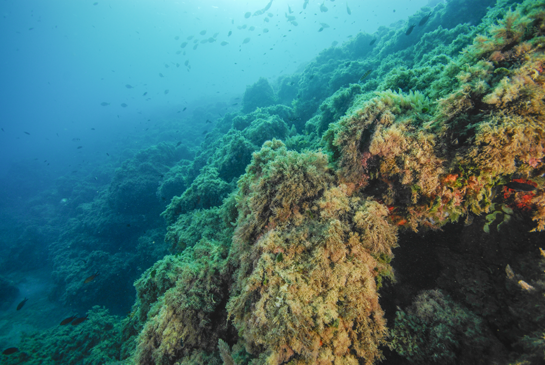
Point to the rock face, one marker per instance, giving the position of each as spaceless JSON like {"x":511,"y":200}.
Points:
{"x":8,"y":293}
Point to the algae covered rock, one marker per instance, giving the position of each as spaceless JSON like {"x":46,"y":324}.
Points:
{"x":258,"y":95}
{"x":187,"y":317}
{"x":308,"y":256}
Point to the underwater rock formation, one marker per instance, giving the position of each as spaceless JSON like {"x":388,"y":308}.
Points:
{"x":290,"y":259}
{"x":258,"y":95}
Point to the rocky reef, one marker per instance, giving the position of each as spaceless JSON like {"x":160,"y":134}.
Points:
{"x":283,"y":241}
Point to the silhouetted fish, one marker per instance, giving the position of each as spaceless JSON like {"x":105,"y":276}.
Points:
{"x":79,"y":320}
{"x":146,"y":93}
{"x":178,"y":144}
{"x":128,"y":86}
{"x":518,"y":186}
{"x":262,"y":11}
{"x":90,"y":278}
{"x":27,"y":133}
{"x":104,"y":103}
{"x":123,"y":105}
{"x":10,"y":351}
{"x":20,"y":305}
{"x":184,"y":109}
{"x":65,"y":321}
{"x":208,"y":121}
{"x":372,"y":42}
{"x":409,"y":31}
{"x":364,"y":76}
{"x":424,"y":19}
{"x":247,"y":15}
{"x":348,"y":10}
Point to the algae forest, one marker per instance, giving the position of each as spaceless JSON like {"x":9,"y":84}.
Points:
{"x":384,"y":203}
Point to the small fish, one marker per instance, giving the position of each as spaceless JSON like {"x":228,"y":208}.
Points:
{"x":166,"y":91}
{"x":348,"y":10}
{"x":21,"y":305}
{"x":123,"y":105}
{"x":79,"y":320}
{"x":518,"y":186}
{"x":424,"y":19}
{"x":65,"y":321}
{"x":104,"y":103}
{"x":107,"y":154}
{"x":153,"y":272}
{"x":128,"y":86}
{"x":93,"y":129}
{"x":229,"y":34}
{"x":95,"y":3}
{"x":80,"y":147}
{"x":202,"y":32}
{"x":246,"y":40}
{"x":90,"y":278}
{"x":208,"y":121}
{"x":364,"y":76}
{"x":160,"y":75}
{"x":247,"y":15}
{"x":235,"y":104}
{"x":224,"y":43}
{"x":10,"y":351}
{"x":183,"y":44}
{"x":372,"y":42}
{"x":409,"y":31}
{"x":27,"y":133}
{"x":4,"y":130}
{"x":178,"y":144}
{"x":184,"y":109}
{"x":144,"y":94}
{"x":204,"y":132}
{"x":319,"y":30}
{"x":323,"y":8}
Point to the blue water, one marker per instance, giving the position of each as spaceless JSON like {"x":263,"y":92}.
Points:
{"x":62,"y":59}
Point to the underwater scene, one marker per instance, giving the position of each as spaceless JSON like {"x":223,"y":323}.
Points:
{"x":252,"y":182}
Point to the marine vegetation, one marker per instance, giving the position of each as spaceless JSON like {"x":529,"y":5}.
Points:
{"x":309,"y":256}
{"x":283,"y":251}
{"x":316,"y":229}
